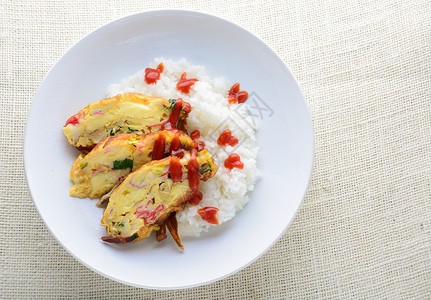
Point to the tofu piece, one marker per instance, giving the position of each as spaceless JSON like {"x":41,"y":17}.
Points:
{"x":148,"y":196}
{"x":126,"y":113}
{"x":96,"y":173}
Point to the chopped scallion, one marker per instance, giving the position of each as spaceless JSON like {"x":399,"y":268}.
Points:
{"x":123,"y":164}
{"x":172,"y":102}
{"x":205,"y":168}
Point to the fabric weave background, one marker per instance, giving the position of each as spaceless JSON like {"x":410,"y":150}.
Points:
{"x":364,"y":230}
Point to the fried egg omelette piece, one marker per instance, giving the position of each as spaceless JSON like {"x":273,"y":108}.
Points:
{"x":124,"y":113}
{"x":98,"y":172}
{"x":148,"y":196}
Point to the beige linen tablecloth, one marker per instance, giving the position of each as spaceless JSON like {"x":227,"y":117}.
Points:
{"x":364,"y":230}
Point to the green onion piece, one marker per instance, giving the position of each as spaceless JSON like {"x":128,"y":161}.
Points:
{"x":114,"y":130}
{"x":123,"y":164}
{"x":121,"y":224}
{"x":172,"y":102}
{"x":82,"y":165}
{"x":131,"y":130}
{"x":132,"y":238}
{"x":205,"y":168}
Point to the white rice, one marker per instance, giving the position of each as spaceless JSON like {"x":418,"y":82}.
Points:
{"x":211,"y":114}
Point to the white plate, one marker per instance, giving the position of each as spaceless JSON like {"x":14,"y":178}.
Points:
{"x":118,"y":50}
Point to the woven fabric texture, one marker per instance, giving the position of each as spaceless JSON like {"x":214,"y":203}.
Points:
{"x":364,"y":230}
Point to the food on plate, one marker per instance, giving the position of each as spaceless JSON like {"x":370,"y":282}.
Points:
{"x":233,"y":161}
{"x":148,"y":196}
{"x":226,"y":138}
{"x":184,"y":84}
{"x":152,"y":75}
{"x":236,"y":96}
{"x":220,"y":109}
{"x":123,"y":113}
{"x":152,"y":158}
{"x":96,"y":173}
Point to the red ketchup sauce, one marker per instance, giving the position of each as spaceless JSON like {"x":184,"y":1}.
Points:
{"x":152,"y":75}
{"x":194,"y":178}
{"x":159,"y":147}
{"x":195,"y":135}
{"x":233,"y":161}
{"x":176,"y":147}
{"x":226,"y":138}
{"x":176,"y":169}
{"x":196,"y":198}
{"x":236,"y":96}
{"x":175,"y":114}
{"x":209,"y":214}
{"x":193,"y":172}
{"x":179,"y":153}
{"x":185,"y":84}
{"x":175,"y":144}
{"x":199,"y":145}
